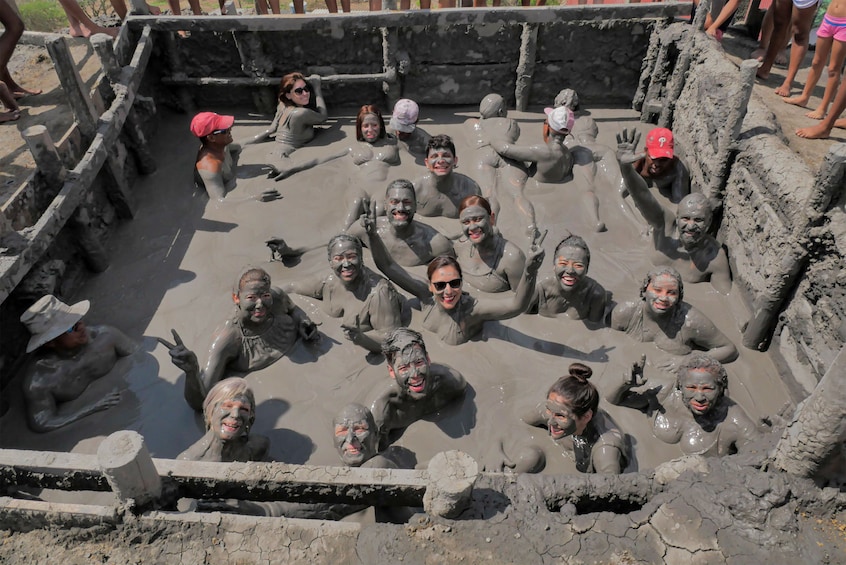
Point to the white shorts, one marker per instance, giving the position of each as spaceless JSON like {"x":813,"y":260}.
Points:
{"x":801,"y":4}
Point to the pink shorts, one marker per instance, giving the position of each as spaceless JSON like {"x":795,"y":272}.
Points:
{"x":833,"y":27}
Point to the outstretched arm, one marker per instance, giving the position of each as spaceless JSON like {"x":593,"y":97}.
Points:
{"x":621,"y":394}
{"x":721,"y":273}
{"x":519,"y":303}
{"x":651,"y":209}
{"x":271,"y":129}
{"x":705,"y":335}
{"x":281,"y":173}
{"x":531,"y":153}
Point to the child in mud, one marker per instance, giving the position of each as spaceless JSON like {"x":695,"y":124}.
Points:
{"x":417,"y":387}
{"x":69,"y":356}
{"x":575,"y":422}
{"x":695,"y":413}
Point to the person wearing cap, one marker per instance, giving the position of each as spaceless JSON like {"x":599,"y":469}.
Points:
{"x":403,"y":125}
{"x":217,"y":156}
{"x":441,"y":190}
{"x":67,"y":356}
{"x":681,"y":240}
{"x":661,"y":167}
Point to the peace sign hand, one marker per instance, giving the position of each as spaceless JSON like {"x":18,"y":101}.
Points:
{"x":180,"y":355}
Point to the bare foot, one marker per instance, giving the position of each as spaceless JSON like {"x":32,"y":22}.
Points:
{"x":763,"y":75}
{"x":758,"y":54}
{"x":814,"y":132}
{"x":10,"y":116}
{"x":817,"y":114}
{"x":154,"y":10}
{"x":23,"y":92}
{"x":797,"y":100}
{"x":841,"y":123}
{"x":84,"y":31}
{"x":783,"y":90}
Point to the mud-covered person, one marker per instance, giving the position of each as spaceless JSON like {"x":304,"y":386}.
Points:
{"x":367,"y":302}
{"x":214,"y":168}
{"x":68,"y":356}
{"x":572,"y":416}
{"x":265,"y":326}
{"x":229,"y":412}
{"x":417,"y":388}
{"x":681,"y":240}
{"x":409,"y":242}
{"x":696,"y":414}
{"x":441,"y":190}
{"x":569,"y":290}
{"x":663,"y":317}
{"x":403,"y":126}
{"x":660,"y":167}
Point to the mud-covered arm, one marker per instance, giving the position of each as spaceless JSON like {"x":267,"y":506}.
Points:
{"x":621,"y":393}
{"x":702,"y":332}
{"x":123,"y":344}
{"x":721,"y":273}
{"x":513,"y":263}
{"x":518,"y":303}
{"x":681,"y":180}
{"x":213,"y":181}
{"x":306,"y":328}
{"x":536,"y":416}
{"x":745,"y":428}
{"x":621,"y":315}
{"x":597,"y":302}
{"x":651,"y":209}
{"x":280,"y":173}
{"x":727,"y":12}
{"x":607,"y":459}
{"x":531,"y":153}
{"x":271,"y":129}
{"x":43,"y":412}
{"x":312,"y":286}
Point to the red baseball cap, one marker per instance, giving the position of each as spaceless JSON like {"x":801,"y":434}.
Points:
{"x":659,"y":143}
{"x":205,"y":123}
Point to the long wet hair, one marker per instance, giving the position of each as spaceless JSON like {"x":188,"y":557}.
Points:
{"x":442,"y":261}
{"x":708,"y":363}
{"x":229,"y":389}
{"x":580,"y":394}
{"x":369,"y":109}
{"x":286,"y":85}
{"x":657,"y":272}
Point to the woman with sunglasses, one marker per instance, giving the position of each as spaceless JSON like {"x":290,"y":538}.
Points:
{"x":452,"y":314}
{"x":301,"y":107}
{"x":490,"y":262}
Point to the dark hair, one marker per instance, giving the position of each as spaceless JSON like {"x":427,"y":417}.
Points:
{"x":442,"y":261}
{"x":573,"y":241}
{"x":475,"y":200}
{"x":369,"y":109}
{"x":343,"y":237}
{"x":440,"y":141}
{"x":286,"y":85}
{"x":250,"y":274}
{"x":657,"y":272}
{"x":406,"y":336}
{"x":401,"y":183}
{"x":706,"y":362}
{"x":575,"y":388}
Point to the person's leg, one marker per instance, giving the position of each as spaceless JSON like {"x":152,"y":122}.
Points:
{"x":274,"y":6}
{"x":299,"y":8}
{"x":174,"y":7}
{"x":766,"y":35}
{"x":823,"y":129}
{"x":119,"y":6}
{"x":345,"y":6}
{"x":835,"y":68}
{"x":195,"y":7}
{"x":820,"y":56}
{"x":14,"y":28}
{"x":375,"y":5}
{"x":80,"y":24}
{"x":332,"y":6}
{"x":782,"y":9}
{"x":803,"y":19}
{"x":14,"y":111}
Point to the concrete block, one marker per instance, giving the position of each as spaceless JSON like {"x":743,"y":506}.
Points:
{"x":128,"y":467}
{"x":452,"y":475}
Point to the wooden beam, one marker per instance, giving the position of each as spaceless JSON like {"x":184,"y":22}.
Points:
{"x":181,"y":80}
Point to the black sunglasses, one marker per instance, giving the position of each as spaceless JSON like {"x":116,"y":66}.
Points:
{"x":74,"y":327}
{"x":219,"y":131}
{"x":301,"y":89}
{"x":440,"y":286}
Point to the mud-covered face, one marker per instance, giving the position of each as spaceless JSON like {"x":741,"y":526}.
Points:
{"x":441,"y":161}
{"x":232,"y":418}
{"x":354,"y":438}
{"x":445,"y":286}
{"x":658,"y":166}
{"x":410,"y":368}
{"x":560,"y":419}
{"x":254,"y":301}
{"x":75,"y":337}
{"x":571,"y":264}
{"x":345,"y":260}
{"x":700,"y":391}
{"x":476,"y":224}
{"x":662,"y":294}
{"x":370,"y":128}
{"x":401,"y":205}
{"x":693,"y":220}
{"x":300,"y":94}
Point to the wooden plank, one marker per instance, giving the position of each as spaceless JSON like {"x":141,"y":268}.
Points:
{"x":73,"y":87}
{"x":182,"y":80}
{"x":37,"y":513}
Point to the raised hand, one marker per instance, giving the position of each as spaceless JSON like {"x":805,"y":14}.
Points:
{"x":308,"y":330}
{"x":535,"y":256}
{"x":635,"y":378}
{"x":368,"y":217}
{"x":353,"y":333}
{"x":180,"y":355}
{"x":627,"y":141}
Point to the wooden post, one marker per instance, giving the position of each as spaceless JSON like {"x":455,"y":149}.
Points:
{"x":104,"y":47}
{"x":818,"y":426}
{"x":526,"y":65}
{"x":452,"y":475}
{"x":255,"y":63}
{"x":649,"y":62}
{"x":393,"y":90}
{"x":128,"y":467}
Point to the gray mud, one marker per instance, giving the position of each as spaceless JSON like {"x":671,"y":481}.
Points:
{"x":173,"y":267}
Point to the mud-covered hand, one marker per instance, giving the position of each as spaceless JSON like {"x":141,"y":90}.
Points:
{"x":499,"y":461}
{"x":627,"y":141}
{"x":180,"y":355}
{"x":314,"y":82}
{"x":535,"y":256}
{"x":634,"y":378}
{"x":308,"y":330}
{"x":368,"y":218}
{"x":270,"y":195}
{"x":112,"y":398}
{"x":353,"y":333}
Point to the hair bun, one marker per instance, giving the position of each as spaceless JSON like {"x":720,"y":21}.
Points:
{"x":580,"y":371}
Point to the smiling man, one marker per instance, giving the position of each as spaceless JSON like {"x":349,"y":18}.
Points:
{"x":409,"y":242}
{"x":417,"y":388}
{"x":440,"y":191}
{"x":681,"y":239}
